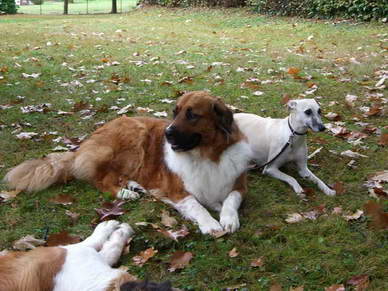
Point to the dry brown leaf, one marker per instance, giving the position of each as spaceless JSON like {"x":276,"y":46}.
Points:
{"x":61,"y":239}
{"x":259,"y":262}
{"x":383,"y":139}
{"x":27,"y":242}
{"x":167,"y":220}
{"x":336,"y":287}
{"x":110,"y":209}
{"x":285,"y":99}
{"x":379,"y":217}
{"x":276,"y":287}
{"x":63,"y":199}
{"x":9,"y":195}
{"x":73,"y":216}
{"x":233,"y":253}
{"x":144,"y":256}
{"x":293,"y":71}
{"x":175,"y":234}
{"x":339,"y":188}
{"x":359,"y":282}
{"x":179,"y":260}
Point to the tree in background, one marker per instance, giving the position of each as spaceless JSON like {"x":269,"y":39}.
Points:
{"x":114,"y":6}
{"x":8,"y":6}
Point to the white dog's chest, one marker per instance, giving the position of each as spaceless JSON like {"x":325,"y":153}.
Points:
{"x":208,"y":181}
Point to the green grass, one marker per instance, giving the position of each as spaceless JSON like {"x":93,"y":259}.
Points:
{"x":314,"y":254}
{"x":78,"y":7}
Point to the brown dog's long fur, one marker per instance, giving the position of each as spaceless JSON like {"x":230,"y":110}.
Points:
{"x":132,"y":149}
{"x":31,"y":271}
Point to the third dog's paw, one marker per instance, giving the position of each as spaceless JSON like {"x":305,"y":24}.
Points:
{"x":126,"y":230}
{"x":136,"y":187}
{"x":128,"y":194}
{"x":107,"y":227}
{"x":230,"y":221}
{"x":211,"y":226}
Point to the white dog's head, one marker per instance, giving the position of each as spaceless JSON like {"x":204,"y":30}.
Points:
{"x":307,"y":113}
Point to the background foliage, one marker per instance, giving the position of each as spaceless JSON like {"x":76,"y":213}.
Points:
{"x":355,"y":9}
{"x":8,"y":6}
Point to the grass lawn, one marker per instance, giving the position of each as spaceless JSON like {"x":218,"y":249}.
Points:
{"x":78,"y":7}
{"x":219,"y":50}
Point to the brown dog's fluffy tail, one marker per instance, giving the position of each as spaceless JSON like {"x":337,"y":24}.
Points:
{"x":38,"y":174}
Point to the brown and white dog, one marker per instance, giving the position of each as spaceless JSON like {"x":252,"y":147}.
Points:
{"x":83,"y":266}
{"x":199,"y":159}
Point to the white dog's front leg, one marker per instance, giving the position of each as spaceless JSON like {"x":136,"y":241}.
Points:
{"x":229,"y":212}
{"x":191,"y":209}
{"x":305,"y":173}
{"x":276,"y":173}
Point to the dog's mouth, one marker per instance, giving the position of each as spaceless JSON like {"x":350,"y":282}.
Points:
{"x":184,"y":147}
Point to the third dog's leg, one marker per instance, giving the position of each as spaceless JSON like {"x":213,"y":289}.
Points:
{"x":305,"y":173}
{"x":101,"y":234}
{"x":276,"y":173}
{"x":112,"y":249}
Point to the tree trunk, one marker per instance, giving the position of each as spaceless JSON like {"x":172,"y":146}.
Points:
{"x":66,"y":7}
{"x":114,"y":6}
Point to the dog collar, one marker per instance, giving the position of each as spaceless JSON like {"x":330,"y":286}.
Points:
{"x":292,"y":130}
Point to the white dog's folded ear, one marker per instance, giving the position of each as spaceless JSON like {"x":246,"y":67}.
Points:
{"x":291,"y":105}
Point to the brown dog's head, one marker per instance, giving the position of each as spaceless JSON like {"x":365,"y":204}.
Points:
{"x":198,"y":119}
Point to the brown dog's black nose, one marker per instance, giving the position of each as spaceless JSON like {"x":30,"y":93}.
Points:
{"x":321,"y":127}
{"x":170,"y":132}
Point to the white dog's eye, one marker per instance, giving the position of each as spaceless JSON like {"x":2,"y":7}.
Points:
{"x":308,"y":112}
{"x":319,"y":111}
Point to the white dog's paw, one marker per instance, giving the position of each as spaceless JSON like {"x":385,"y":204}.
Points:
{"x":106,"y":228}
{"x":230,"y":222}
{"x":128,"y":194}
{"x":125,"y":230}
{"x":329,"y":192}
{"x":136,"y":187}
{"x":211,"y":226}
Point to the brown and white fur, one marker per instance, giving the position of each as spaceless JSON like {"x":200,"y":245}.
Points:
{"x":199,"y":159}
{"x":83,"y":266}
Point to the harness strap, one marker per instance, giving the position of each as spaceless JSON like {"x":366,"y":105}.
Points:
{"x":281,"y":151}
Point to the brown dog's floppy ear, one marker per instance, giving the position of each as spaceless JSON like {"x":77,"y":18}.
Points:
{"x":224,"y":117}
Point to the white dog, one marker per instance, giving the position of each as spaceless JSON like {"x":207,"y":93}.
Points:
{"x":275,"y":142}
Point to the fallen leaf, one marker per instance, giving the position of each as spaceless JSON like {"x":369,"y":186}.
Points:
{"x":9,"y":195}
{"x":352,"y":154}
{"x":276,"y":287}
{"x":73,"y":216}
{"x":293,"y":71}
{"x":378,"y":216}
{"x":294,"y":218}
{"x":110,"y":209}
{"x":373,"y":111}
{"x":339,"y":188}
{"x":179,"y":260}
{"x":259,"y":262}
{"x":383,"y":139}
{"x":61,"y":239}
{"x":175,"y":234}
{"x":144,"y":256}
{"x":360,"y":282}
{"x":337,"y":210}
{"x":299,"y":288}
{"x":233,"y":253}
{"x":167,"y":220}
{"x":333,"y":116}
{"x":27,"y":242}
{"x":350,"y":99}
{"x":354,"y":216}
{"x":218,"y":234}
{"x":336,"y":287}
{"x":63,"y":199}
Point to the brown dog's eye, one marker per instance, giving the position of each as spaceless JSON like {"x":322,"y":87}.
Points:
{"x":190,"y":115}
{"x":308,"y":112}
{"x":175,"y":112}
